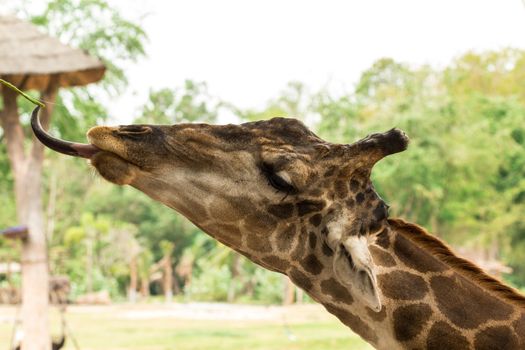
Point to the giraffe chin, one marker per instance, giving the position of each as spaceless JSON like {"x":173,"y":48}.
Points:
{"x":114,"y":168}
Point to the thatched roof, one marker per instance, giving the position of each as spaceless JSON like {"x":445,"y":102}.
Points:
{"x":28,"y":58}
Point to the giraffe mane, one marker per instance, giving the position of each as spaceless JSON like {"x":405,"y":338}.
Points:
{"x":443,"y":253}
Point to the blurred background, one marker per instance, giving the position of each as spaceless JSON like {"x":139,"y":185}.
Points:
{"x":451,"y":74}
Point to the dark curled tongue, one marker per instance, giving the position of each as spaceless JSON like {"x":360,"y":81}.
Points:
{"x":70,"y":148}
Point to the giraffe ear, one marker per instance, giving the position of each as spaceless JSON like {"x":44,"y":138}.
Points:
{"x":354,"y":268}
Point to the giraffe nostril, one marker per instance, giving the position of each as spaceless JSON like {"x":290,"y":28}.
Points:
{"x":134,"y":129}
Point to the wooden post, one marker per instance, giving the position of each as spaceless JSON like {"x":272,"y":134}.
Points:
{"x":27,"y":172}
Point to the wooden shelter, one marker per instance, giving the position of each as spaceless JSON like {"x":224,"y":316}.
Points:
{"x":32,"y":60}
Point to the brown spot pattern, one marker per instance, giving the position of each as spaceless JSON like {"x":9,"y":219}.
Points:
{"x":312,"y":265}
{"x":496,"y":338}
{"x":410,"y":320}
{"x":376,"y":316}
{"x":402,"y":285}
{"x":282,"y":211}
{"x":229,"y":233}
{"x":383,"y":239}
{"x":316,"y":220}
{"x":330,"y":171}
{"x":415,"y":257}
{"x":341,"y":189}
{"x":220,"y":208}
{"x":260,"y":223}
{"x":276,"y":263}
{"x":300,"y":249}
{"x":327,"y":250}
{"x":300,"y":279}
{"x":336,"y":290}
{"x":381,"y":257}
{"x":465,"y":304}
{"x":353,"y":322}
{"x":308,"y":206}
{"x":285,"y":237}
{"x":443,"y":336}
{"x":259,"y":244}
{"x":312,"y":240}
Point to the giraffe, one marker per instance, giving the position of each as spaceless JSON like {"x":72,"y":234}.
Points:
{"x":301,"y":206}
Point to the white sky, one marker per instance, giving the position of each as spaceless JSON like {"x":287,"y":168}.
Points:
{"x":248,"y":50}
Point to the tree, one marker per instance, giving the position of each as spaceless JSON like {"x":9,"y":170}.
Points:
{"x":192,"y":103}
{"x":144,"y":262}
{"x":27,"y":162}
{"x":461,"y":176}
{"x":167,"y":280}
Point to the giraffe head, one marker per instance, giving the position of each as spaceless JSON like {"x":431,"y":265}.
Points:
{"x":262,"y":188}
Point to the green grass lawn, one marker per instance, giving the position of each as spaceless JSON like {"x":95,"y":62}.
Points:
{"x":106,"y":328}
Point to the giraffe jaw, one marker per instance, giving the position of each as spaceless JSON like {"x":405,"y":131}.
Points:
{"x":114,"y":168}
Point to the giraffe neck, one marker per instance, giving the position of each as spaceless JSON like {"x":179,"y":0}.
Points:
{"x":431,"y":301}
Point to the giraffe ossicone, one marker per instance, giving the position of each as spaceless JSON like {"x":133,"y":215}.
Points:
{"x":296,"y":204}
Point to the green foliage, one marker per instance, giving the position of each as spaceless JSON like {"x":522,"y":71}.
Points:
{"x":462,"y":176}
{"x":268,"y":286}
{"x":192,"y":103}
{"x":213,"y":285}
{"x":7,"y":201}
{"x":293,"y":101}
{"x":96,"y":253}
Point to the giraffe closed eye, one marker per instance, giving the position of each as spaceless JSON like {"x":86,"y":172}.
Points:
{"x":279,"y":180}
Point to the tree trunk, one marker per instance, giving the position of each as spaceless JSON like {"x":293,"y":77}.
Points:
{"x":144,"y":286}
{"x":168,"y":279}
{"x":51,"y":207}
{"x":299,"y":295}
{"x":289,"y":291}
{"x":27,"y":171}
{"x":133,"y":280}
{"x":234,"y":270}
